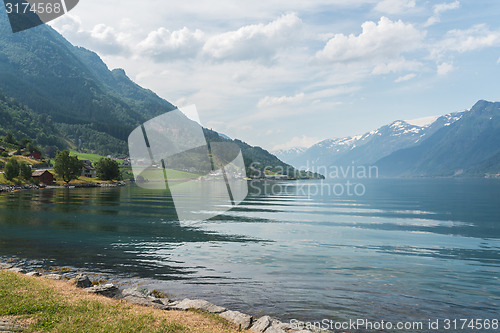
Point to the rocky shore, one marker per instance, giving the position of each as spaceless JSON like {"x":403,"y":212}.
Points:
{"x":13,"y":188}
{"x":144,"y":297}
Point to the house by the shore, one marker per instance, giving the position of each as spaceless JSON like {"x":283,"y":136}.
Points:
{"x":43,"y":176}
{"x":88,"y":170}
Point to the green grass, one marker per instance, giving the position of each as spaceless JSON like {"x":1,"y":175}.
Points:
{"x":35,"y":302}
{"x":41,"y":305}
{"x":94,"y":158}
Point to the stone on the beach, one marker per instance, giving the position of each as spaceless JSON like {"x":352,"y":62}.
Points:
{"x":237,"y":318}
{"x":16,"y":270}
{"x":198,"y":304}
{"x":261,"y":324}
{"x":146,"y":301}
{"x":33,"y":274}
{"x":137,"y":292}
{"x":107,"y":290}
{"x":278,"y":327}
{"x":53,"y":276}
{"x":5,"y":266}
{"x":144,"y":297}
{"x":81,"y":281}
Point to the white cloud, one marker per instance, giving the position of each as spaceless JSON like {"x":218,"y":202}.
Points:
{"x":394,"y":6}
{"x":163,"y":45}
{"x":406,"y":77}
{"x":396,"y":66}
{"x":101,"y":38}
{"x":377,"y":50}
{"x":477,"y":37}
{"x":274,"y":101}
{"x":444,"y":68}
{"x":383,"y":40}
{"x":254,"y":41}
{"x":439,"y":9}
{"x":298,"y":141}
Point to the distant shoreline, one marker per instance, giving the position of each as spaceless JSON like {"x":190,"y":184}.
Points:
{"x":14,"y":188}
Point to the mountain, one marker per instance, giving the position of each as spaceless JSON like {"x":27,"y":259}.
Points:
{"x":61,"y":95}
{"x":289,"y":155}
{"x":370,"y":147}
{"x":470,"y":146}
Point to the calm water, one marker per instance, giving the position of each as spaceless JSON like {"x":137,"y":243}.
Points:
{"x":407,"y":250}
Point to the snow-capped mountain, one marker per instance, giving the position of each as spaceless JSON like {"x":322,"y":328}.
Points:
{"x":372,"y":146}
{"x":288,"y":155}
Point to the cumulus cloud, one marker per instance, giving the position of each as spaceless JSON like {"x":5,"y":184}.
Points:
{"x":164,"y":45}
{"x":385,"y":39}
{"x":377,"y":50}
{"x":101,"y":38}
{"x":273,"y":101}
{"x":406,"y":77}
{"x":394,"y":6}
{"x":444,"y":68}
{"x":254,"y":41}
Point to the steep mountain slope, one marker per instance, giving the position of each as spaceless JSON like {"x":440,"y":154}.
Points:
{"x":464,"y":145}
{"x":61,"y":95}
{"x":368,"y":148}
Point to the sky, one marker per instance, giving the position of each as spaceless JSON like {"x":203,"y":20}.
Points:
{"x":287,"y":73}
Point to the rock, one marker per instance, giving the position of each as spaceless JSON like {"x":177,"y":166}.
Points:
{"x":278,"y":327}
{"x":53,"y":276}
{"x":17,"y":270}
{"x":143,"y":296}
{"x":81,"y":281}
{"x":33,"y":274}
{"x":5,"y":266}
{"x":261,"y":324}
{"x":107,"y":290}
{"x":146,"y":301}
{"x":198,"y":304}
{"x":237,"y":318}
{"x":137,"y":292}
{"x":8,"y":325}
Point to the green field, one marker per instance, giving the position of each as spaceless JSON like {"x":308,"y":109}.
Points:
{"x":94,"y":158}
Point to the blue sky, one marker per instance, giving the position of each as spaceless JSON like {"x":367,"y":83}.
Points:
{"x":279,"y":73}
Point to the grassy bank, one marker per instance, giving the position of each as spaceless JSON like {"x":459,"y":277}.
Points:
{"x":43,"y":305}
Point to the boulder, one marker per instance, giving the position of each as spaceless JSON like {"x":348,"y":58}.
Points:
{"x":81,"y":281}
{"x":144,"y":297}
{"x":278,"y":327}
{"x":137,"y":292}
{"x":5,"y":266}
{"x":237,"y":318}
{"x":198,"y":304}
{"x":146,"y":301}
{"x":33,"y":274}
{"x":261,"y":324}
{"x":107,"y":290}
{"x":17,"y":270}
{"x":53,"y":276}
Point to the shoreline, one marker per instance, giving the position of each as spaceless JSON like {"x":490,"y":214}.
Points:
{"x":4,"y":188}
{"x":135,"y":294}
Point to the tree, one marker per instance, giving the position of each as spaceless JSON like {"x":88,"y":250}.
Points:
{"x":25,"y":171}
{"x":107,"y":169}
{"x":11,"y":169}
{"x":68,"y":167}
{"x":9,"y":138}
